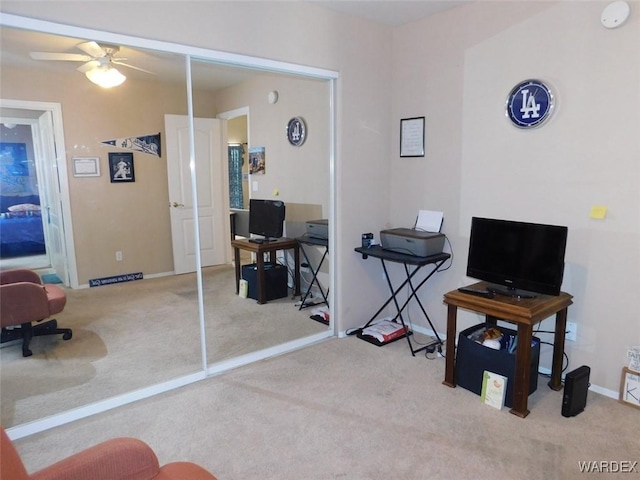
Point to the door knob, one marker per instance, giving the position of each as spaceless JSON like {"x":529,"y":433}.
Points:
{"x":176,"y":204}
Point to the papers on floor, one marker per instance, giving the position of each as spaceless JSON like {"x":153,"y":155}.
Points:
{"x":385,"y":331}
{"x":321,"y":314}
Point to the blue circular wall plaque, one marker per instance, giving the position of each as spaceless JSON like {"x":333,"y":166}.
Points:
{"x":296,"y":131}
{"x":529,"y":104}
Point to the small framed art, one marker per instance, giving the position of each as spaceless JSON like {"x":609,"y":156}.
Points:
{"x":630,"y":387}
{"x":412,"y":137}
{"x":86,"y":166}
{"x":121,"y":167}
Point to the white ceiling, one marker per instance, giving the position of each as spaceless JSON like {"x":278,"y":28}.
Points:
{"x":16,"y":44}
{"x":390,"y":12}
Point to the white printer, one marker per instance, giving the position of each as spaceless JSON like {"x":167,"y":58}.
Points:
{"x":412,"y":241}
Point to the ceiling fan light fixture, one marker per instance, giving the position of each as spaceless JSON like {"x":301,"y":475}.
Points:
{"x":106,"y":77}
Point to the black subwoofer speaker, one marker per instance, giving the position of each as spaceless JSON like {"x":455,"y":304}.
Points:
{"x":576,"y":386}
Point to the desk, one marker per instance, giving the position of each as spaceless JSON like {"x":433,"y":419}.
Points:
{"x":406,"y":260}
{"x":523,"y":312}
{"x":318,"y":242}
{"x":260,"y":249}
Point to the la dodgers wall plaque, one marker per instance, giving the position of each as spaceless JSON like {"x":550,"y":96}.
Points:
{"x":296,"y":131}
{"x":530,"y":104}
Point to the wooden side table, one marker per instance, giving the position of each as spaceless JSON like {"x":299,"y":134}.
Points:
{"x":260,"y":249}
{"x":525,"y":313}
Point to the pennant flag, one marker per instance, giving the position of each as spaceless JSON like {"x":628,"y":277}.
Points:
{"x":145,"y":143}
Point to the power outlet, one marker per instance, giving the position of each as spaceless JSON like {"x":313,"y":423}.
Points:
{"x":118,"y":256}
{"x":571,"y":332}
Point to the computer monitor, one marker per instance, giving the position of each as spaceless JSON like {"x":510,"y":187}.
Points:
{"x":266,"y":218}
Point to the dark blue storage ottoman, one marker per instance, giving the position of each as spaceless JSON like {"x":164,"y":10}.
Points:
{"x":473,"y":358}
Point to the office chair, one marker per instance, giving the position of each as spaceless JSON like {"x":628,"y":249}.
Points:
{"x":24,"y":302}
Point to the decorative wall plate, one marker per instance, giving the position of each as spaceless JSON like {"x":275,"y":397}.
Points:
{"x":296,"y":131}
{"x":529,"y":104}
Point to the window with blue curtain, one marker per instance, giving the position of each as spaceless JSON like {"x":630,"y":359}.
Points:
{"x":235,"y":176}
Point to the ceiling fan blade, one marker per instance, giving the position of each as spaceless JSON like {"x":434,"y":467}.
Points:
{"x":116,"y":62}
{"x":88,"y":66}
{"x":73,"y":57}
{"x":93,"y":49}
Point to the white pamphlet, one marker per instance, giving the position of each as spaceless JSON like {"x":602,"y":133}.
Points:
{"x":494,"y":387}
{"x":429,"y":221}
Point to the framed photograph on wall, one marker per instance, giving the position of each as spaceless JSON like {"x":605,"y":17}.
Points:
{"x":86,"y":166}
{"x":412,"y":137}
{"x":121,"y":167}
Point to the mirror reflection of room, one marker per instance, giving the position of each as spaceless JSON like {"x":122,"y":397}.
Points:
{"x":125,"y":335}
{"x":255,"y":124}
{"x":114,"y":325}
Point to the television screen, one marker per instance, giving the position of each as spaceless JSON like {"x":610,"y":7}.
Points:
{"x":517,"y":257}
{"x":266,"y":218}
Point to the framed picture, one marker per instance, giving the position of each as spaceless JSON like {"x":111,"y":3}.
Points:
{"x":86,"y":166}
{"x":257,"y":161}
{"x":412,"y":137}
{"x":630,"y":388}
{"x":121,"y":167}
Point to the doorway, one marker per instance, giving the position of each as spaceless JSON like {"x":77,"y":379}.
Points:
{"x":22,"y":244}
{"x":238,"y":138}
{"x":45,"y":139}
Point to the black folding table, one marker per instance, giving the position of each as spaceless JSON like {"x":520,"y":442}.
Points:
{"x":417,"y":263}
{"x":318,"y":242}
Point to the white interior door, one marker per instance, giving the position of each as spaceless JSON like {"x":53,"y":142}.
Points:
{"x":212,"y":192}
{"x":50,"y":195}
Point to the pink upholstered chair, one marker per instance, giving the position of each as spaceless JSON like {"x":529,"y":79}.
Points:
{"x":24,"y":300}
{"x":116,"y":459}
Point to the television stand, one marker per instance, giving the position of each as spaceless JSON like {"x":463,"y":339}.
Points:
{"x":524,"y":313}
{"x":260,"y":248}
{"x":510,"y":291}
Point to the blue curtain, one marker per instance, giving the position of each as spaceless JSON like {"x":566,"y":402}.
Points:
{"x":235,"y":176}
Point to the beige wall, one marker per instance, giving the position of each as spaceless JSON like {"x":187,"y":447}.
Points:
{"x":292,"y":174}
{"x":478,"y":164}
{"x":110,"y":217}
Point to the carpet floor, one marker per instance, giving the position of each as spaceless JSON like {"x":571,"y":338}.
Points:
{"x":135,"y":334}
{"x":346,"y":409}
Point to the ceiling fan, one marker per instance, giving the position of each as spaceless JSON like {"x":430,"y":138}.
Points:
{"x":99,"y":62}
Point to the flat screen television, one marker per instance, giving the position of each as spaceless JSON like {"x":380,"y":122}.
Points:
{"x":517,"y":258}
{"x":266,"y":218}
